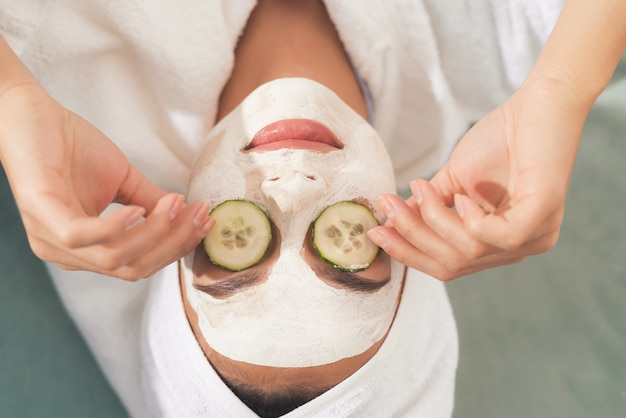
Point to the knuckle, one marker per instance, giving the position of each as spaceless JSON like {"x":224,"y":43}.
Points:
{"x":67,"y":267}
{"x":410,"y":233}
{"x":130,"y":274}
{"x":400,"y":257}
{"x":457,"y":265}
{"x":430,"y":215}
{"x":109,"y":260}
{"x":403,"y":224}
{"x":476,"y":250}
{"x":69,"y":238}
{"x":553,"y":239}
{"x":40,"y":249}
{"x":186,"y":246}
{"x":474,"y":227}
{"x":548,"y":242}
{"x":513,"y":241}
{"x":444,"y":274}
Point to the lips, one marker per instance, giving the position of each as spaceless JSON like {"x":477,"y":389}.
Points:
{"x":303,"y":134}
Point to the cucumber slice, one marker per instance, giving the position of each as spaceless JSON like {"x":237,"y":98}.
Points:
{"x":240,"y":237}
{"x":340,"y":236}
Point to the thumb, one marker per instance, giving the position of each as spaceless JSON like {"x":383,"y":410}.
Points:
{"x":137,"y":189}
{"x":445,"y":185}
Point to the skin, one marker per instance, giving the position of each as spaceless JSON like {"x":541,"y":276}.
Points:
{"x":258,"y":61}
{"x":271,"y":47}
{"x":507,"y":178}
{"x":318,"y":378}
{"x":211,"y":276}
{"x":55,"y":195}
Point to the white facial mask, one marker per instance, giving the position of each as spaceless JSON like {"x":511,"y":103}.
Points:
{"x":293,"y":318}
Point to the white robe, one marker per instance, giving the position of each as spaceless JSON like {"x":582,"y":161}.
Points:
{"x":149,"y":74}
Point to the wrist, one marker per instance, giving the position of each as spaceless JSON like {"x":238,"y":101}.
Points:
{"x":556,"y":92}
{"x":13,"y":73}
{"x":21,"y":97}
{"x":584,"y":48}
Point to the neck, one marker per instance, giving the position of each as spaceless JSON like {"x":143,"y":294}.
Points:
{"x":290,"y":39}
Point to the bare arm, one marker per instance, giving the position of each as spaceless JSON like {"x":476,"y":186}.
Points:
{"x":585,"y":46}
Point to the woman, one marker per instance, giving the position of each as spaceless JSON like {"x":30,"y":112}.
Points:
{"x":146,"y":77}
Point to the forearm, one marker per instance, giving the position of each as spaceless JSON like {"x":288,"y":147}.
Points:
{"x":585,"y":47}
{"x":16,"y":83}
{"x":12,"y":71}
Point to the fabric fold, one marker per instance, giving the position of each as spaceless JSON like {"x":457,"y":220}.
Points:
{"x":419,"y":355}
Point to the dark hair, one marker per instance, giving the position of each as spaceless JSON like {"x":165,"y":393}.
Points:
{"x":272,"y":403}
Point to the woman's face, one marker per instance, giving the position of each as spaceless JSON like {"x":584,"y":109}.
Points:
{"x":293,"y":148}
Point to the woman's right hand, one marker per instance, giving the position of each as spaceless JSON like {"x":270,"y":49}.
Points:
{"x":64,"y":173}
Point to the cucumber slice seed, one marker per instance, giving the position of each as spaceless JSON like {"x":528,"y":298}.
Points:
{"x":340,"y":236}
{"x":240,"y":237}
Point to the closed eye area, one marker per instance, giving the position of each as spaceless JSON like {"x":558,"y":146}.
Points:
{"x":376,"y":276}
{"x":222,"y":283}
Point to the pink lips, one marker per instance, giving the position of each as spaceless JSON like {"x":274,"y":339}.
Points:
{"x":295,"y":134}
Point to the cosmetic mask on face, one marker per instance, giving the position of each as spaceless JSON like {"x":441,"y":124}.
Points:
{"x":293,"y":318}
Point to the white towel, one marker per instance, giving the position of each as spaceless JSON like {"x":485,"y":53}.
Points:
{"x":149,"y":74}
{"x":411,"y":375}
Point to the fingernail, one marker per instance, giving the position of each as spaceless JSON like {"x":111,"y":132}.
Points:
{"x":134,"y":216}
{"x":170,"y":204}
{"x":204,"y":228}
{"x":459,"y":206}
{"x":387,"y":207}
{"x":201,"y":216}
{"x":417,"y":192}
{"x":176,"y":206}
{"x":378,"y":238}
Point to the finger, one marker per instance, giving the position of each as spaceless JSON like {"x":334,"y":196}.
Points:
{"x":151,"y":245}
{"x":137,"y":189}
{"x":410,"y":225}
{"x":138,"y":240}
{"x":185,"y":234}
{"x":108,"y":257}
{"x":446,"y":223}
{"x":512,"y":226}
{"x":445,"y":186}
{"x":86,"y":230}
{"x":87,"y":250}
{"x":536,"y":246}
{"x":442,"y":269}
{"x":404,"y":252}
{"x":56,"y":227}
{"x":448,"y":269}
{"x":152,"y":248}
{"x":465,"y":228}
{"x":73,"y":231}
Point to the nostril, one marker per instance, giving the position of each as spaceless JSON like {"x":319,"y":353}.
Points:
{"x":274,"y":179}
{"x":311,"y":177}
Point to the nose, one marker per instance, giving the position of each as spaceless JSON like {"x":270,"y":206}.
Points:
{"x":294,"y":191}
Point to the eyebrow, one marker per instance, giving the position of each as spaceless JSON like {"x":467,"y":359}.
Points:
{"x":349,"y":280}
{"x":228,"y":287}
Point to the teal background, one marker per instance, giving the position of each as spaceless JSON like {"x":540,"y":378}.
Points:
{"x":544,"y":338}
